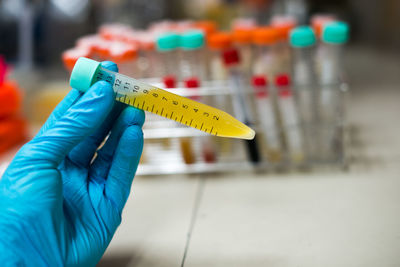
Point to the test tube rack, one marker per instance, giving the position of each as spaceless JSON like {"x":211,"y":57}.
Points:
{"x":171,"y":148}
{"x":164,"y":154}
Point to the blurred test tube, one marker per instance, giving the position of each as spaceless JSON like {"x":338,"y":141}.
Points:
{"x":167,"y":46}
{"x":242,"y":104}
{"x":267,"y":118}
{"x":217,"y":43}
{"x":283,"y":26}
{"x":334,"y":36}
{"x":207,"y":146}
{"x":302,"y":40}
{"x":192,"y":62}
{"x":242,"y":38}
{"x":264,"y":56}
{"x":148,"y":62}
{"x":290,"y":119}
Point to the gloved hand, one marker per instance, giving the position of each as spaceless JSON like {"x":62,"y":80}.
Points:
{"x":57,"y":206}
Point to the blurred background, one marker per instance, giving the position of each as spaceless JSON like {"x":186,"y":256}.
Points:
{"x":202,"y":201}
{"x":31,"y":30}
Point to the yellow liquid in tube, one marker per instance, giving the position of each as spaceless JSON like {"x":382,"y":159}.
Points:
{"x":180,"y":109}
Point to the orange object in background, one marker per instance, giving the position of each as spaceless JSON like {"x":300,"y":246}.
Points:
{"x":243,"y":35}
{"x":12,"y":132}
{"x":121,"y":52}
{"x":283,"y":24}
{"x":219,"y":40}
{"x":283,"y":29}
{"x":70,"y":56}
{"x":265,"y":36}
{"x":12,"y":125}
{"x":10,"y":99}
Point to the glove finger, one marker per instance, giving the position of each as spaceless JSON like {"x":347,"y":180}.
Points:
{"x":78,"y":122}
{"x":124,"y":165}
{"x":101,"y":165}
{"x":60,"y":109}
{"x":69,"y":100}
{"x":82,"y":154}
{"x":110,"y":65}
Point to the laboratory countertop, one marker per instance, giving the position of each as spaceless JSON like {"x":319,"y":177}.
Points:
{"x":322,"y":218}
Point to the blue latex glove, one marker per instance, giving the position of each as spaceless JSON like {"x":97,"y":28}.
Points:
{"x":57,"y":206}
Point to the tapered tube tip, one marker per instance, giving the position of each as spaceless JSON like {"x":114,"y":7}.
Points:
{"x":249,"y":135}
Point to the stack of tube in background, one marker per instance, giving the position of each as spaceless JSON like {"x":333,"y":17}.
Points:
{"x":12,"y":124}
{"x":283,"y":80}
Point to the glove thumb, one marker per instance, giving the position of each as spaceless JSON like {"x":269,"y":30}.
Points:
{"x":79,"y":121}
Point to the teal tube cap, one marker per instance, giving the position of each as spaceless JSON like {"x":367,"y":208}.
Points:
{"x":302,"y":36}
{"x":167,"y":42}
{"x":192,"y":40}
{"x":335,"y":33}
{"x":83,"y":73}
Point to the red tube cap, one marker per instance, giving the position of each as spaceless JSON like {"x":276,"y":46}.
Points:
{"x":169,"y":81}
{"x":282,"y":81}
{"x":231,"y":57}
{"x":192,"y":82}
{"x":259,"y":80}
{"x":259,"y":83}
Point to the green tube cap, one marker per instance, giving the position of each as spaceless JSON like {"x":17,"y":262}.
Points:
{"x":302,"y":36}
{"x":167,"y":42}
{"x":192,"y":40}
{"x":336,"y":33}
{"x":83,"y":73}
